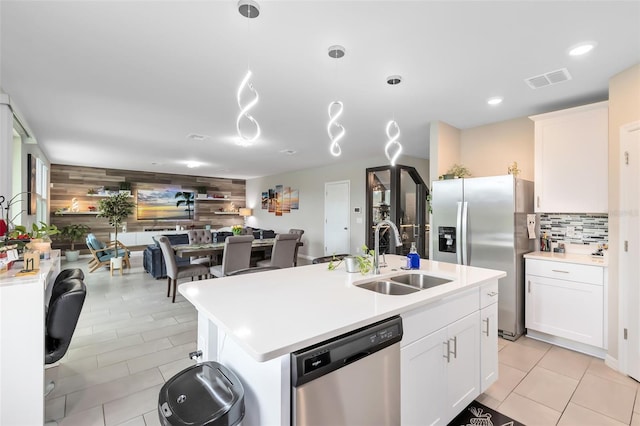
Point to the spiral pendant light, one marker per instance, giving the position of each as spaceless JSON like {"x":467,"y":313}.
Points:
{"x":244,"y":111}
{"x":393,"y":147}
{"x":335,"y":130}
{"x":249,"y":9}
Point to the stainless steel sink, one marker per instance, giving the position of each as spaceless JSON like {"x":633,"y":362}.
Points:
{"x":388,"y":287}
{"x":420,"y":281}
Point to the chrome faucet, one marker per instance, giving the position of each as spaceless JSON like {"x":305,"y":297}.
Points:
{"x":376,"y":254}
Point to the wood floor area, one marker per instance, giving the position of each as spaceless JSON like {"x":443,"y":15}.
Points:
{"x":131,"y":339}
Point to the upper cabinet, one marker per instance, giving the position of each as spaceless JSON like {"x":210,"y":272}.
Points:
{"x":571,"y":160}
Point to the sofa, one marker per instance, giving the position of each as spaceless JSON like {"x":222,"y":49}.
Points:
{"x":152,"y":259}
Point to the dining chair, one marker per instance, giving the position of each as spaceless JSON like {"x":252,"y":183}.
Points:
{"x":236,"y":255}
{"x":175,"y":272}
{"x":299,"y":232}
{"x":200,"y":236}
{"x":283,"y":251}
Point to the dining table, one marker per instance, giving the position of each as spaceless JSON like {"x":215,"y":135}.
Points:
{"x":213,"y":249}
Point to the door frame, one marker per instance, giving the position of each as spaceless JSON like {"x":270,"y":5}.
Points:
{"x":326,"y":185}
{"x":623,"y":288}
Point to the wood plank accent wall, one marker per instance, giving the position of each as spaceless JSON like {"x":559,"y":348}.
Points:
{"x":68,"y":182}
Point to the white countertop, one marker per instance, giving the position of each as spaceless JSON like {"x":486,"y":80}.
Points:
{"x":277,"y":312}
{"x":9,"y":277}
{"x":583,"y":259}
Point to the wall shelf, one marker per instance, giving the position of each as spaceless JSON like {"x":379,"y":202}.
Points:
{"x":232,"y":213}
{"x":75,"y":213}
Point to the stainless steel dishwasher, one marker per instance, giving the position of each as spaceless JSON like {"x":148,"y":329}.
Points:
{"x":351,"y":380}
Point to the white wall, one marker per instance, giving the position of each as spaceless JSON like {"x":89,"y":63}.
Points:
{"x":310,"y":184}
{"x":490,"y":150}
{"x":444,"y":148}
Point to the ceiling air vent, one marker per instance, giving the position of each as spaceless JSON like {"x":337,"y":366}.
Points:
{"x":547,"y":79}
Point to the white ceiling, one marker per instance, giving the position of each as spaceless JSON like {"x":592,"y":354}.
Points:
{"x":120,"y":84}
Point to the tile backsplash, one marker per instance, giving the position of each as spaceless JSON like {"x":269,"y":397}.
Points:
{"x":587,"y":228}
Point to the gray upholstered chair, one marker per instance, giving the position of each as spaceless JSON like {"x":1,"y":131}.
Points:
{"x":299,"y":232}
{"x":237,"y":255}
{"x":283,"y":251}
{"x":175,"y":272}
{"x":200,"y":236}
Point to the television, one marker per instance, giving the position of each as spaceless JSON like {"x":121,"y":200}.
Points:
{"x":154,"y":204}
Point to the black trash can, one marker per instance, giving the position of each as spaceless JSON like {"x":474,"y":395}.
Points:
{"x":205,"y":394}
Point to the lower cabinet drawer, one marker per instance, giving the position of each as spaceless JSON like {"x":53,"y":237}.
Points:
{"x":566,"y":271}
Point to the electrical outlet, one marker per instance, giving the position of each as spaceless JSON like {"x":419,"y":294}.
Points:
{"x":571,"y":231}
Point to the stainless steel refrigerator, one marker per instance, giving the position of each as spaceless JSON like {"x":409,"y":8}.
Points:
{"x":483,"y":222}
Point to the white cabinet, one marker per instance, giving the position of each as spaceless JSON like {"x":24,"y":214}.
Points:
{"x":423,"y":379}
{"x":488,"y":335}
{"x":440,"y":370}
{"x":566,"y":300}
{"x":441,"y":357}
{"x":571,"y":160}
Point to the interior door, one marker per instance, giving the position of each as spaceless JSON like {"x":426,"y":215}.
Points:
{"x":337,"y":234}
{"x":630,"y":243}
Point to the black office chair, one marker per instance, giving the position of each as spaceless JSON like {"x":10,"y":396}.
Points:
{"x":61,"y":319}
{"x":69,"y":273}
{"x":327,"y":259}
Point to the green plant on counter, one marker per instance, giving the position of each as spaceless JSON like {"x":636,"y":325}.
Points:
{"x":236,"y":229}
{"x":332,"y":266}
{"x":41,"y":230}
{"x":365,"y":261}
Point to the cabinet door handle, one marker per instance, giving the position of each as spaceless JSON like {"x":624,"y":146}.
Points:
{"x":455,"y":346}
{"x":529,"y":286}
{"x":492,"y":294}
{"x":487,"y":321}
{"x":559,"y":270}
{"x":447,"y":356}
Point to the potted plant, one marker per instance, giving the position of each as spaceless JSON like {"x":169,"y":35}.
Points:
{"x":202,"y":192}
{"x":456,"y":171}
{"x":125,"y":188}
{"x":39,"y":236}
{"x":364,"y":262}
{"x":72,"y":234}
{"x":236,"y":229}
{"x":116,"y":208}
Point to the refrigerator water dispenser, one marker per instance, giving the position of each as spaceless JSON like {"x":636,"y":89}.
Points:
{"x":447,"y":239}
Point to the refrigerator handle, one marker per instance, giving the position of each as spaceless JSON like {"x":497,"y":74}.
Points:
{"x":465,"y":234}
{"x":459,"y":234}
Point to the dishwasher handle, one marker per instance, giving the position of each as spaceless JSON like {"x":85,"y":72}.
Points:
{"x":354,"y":358}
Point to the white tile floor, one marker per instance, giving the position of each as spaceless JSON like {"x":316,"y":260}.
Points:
{"x":131,"y":339}
{"x":541,"y":384}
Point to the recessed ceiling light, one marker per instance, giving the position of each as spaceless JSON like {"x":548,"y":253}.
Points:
{"x":288,"y":151}
{"x":495,"y":100}
{"x":249,"y":8}
{"x":582,"y":48}
{"x":394,"y":79}
{"x":336,"y":51}
{"x":193,"y":164}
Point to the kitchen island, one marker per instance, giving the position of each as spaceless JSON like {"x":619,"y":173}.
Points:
{"x":251,"y":324}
